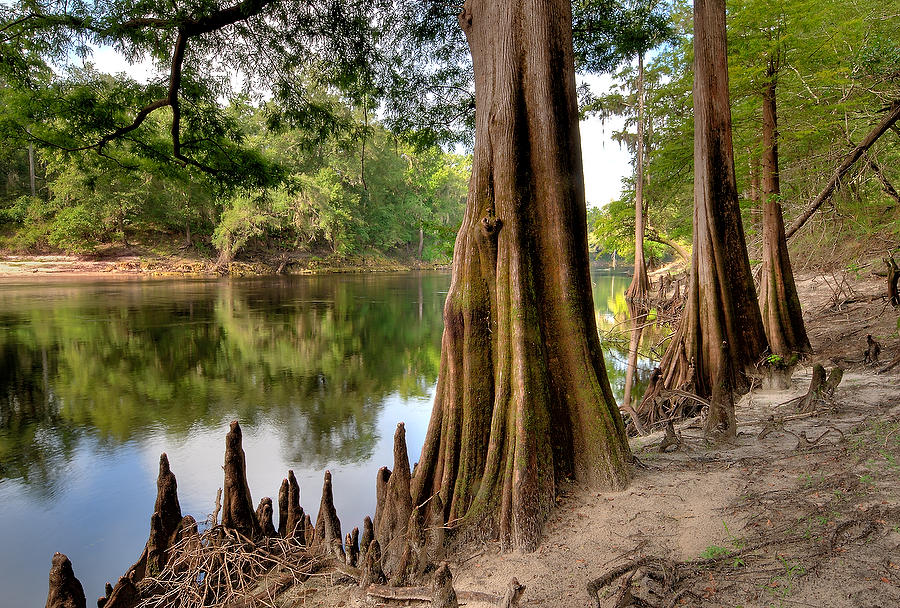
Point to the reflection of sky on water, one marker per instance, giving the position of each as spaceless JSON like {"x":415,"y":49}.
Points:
{"x":111,"y":493}
{"x":97,"y":379}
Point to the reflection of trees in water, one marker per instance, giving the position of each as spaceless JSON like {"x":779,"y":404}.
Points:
{"x":35,"y":441}
{"x":615,"y":322}
{"x":317,"y":355}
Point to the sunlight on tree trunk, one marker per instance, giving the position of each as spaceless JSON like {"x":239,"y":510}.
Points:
{"x":523,"y":400}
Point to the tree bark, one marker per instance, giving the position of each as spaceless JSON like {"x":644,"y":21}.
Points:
{"x":523,"y":400}
{"x":721,"y":333}
{"x":639,"y":290}
{"x":886,"y":123}
{"x":778,"y":300}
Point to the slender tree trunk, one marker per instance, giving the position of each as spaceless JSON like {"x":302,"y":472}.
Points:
{"x":721,"y":333}
{"x":756,"y":212}
{"x":778,"y":300}
{"x":522,"y":400}
{"x":637,"y":328}
{"x":421,"y":247}
{"x":639,"y":290}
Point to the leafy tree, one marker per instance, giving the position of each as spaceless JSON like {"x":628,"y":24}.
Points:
{"x":610,"y":34}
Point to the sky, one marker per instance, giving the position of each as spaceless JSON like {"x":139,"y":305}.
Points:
{"x":605,"y":161}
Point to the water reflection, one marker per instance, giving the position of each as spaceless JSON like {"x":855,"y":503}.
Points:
{"x":97,"y":378}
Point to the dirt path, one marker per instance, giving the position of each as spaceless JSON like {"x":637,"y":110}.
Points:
{"x":702,"y":501}
{"x":820,"y":493}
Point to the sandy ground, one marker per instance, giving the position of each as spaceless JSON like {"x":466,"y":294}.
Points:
{"x":820,"y":492}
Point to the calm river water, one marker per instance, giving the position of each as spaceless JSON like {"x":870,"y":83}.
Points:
{"x":97,"y":378}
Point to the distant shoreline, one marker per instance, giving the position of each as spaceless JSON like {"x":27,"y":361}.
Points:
{"x":144,"y":266}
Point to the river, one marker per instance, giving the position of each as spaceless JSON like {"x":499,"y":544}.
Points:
{"x":98,"y":377}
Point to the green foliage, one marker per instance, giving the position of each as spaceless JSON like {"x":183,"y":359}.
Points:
{"x":347,"y":194}
{"x":713,"y":551}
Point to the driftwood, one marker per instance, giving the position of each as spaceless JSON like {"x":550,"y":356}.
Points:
{"x":237,"y":505}
{"x":890,"y":365}
{"x":65,"y":590}
{"x":424,"y":594}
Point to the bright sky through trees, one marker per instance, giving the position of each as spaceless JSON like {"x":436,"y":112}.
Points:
{"x":605,"y":161}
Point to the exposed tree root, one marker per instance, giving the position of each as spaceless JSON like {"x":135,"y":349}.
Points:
{"x":665,"y":583}
{"x":821,"y":390}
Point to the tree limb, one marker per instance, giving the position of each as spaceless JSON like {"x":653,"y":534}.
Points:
{"x":892,"y":116}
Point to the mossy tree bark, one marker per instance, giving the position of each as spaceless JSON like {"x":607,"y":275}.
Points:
{"x":778,"y":300}
{"x":639,"y":290}
{"x":522,"y":400}
{"x":721,"y":333}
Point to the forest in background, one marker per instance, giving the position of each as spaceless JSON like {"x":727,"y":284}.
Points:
{"x":357,"y":190}
{"x":836,"y":69}
{"x":357,"y":186}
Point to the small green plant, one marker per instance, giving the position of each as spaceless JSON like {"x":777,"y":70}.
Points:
{"x":867,"y":479}
{"x":714,"y":551}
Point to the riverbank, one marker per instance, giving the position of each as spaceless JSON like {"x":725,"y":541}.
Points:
{"x":806,"y":513}
{"x":811,"y":504}
{"x":148,"y":264}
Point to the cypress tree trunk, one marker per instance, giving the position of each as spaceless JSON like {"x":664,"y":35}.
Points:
{"x":721,"y":333}
{"x":522,"y":400}
{"x":778,"y":300}
{"x":639,"y":290}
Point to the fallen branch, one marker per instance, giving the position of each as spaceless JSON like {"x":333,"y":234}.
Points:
{"x":892,"y":116}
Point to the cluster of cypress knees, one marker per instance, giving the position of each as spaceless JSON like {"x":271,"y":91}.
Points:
{"x":398,"y":546}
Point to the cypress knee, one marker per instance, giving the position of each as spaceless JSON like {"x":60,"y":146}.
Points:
{"x":295,"y":528}
{"x":368,"y":535}
{"x":352,"y":543}
{"x":444,"y":594}
{"x":372,"y":573}
{"x":283,"y":508}
{"x":237,"y":505}
{"x":392,"y":521}
{"x":65,"y":590}
{"x":328,"y":526}
{"x":264,"y":517}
